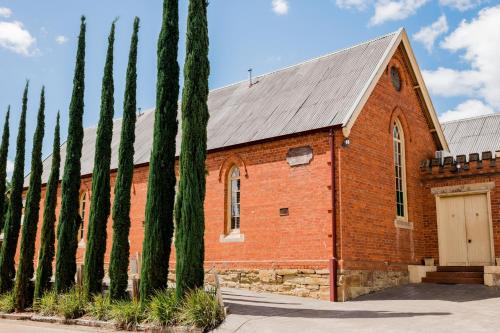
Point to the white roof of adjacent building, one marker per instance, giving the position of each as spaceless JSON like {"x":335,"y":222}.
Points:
{"x":473,"y":135}
{"x":320,"y":93}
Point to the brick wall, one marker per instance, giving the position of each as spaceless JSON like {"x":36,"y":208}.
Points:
{"x":299,"y":240}
{"x":368,"y":237}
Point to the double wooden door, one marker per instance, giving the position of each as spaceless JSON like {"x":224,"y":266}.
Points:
{"x":464,"y":230}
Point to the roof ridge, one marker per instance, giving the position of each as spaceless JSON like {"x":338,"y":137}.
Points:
{"x":494,"y":114}
{"x":313,"y":59}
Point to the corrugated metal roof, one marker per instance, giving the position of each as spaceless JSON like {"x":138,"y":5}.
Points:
{"x":473,"y":135}
{"x":315,"y":94}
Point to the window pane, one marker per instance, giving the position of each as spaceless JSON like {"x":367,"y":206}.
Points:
{"x":398,"y":170}
{"x":234,"y":197}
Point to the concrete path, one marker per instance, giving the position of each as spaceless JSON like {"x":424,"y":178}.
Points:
{"x":412,"y":308}
{"x":18,"y":326}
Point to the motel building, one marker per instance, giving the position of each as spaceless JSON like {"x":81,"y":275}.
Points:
{"x":331,"y":179}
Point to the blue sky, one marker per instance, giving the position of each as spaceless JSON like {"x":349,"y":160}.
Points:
{"x":457,"y":44}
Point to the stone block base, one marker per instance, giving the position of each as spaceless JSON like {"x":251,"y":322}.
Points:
{"x":418,"y":272}
{"x":354,"y":283}
{"x":312,"y":283}
{"x":492,"y":276}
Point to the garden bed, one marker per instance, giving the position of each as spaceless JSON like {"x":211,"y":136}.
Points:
{"x":90,"y":322}
{"x":199,"y":311}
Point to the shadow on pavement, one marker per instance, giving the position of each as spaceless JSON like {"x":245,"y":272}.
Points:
{"x":268,"y":311}
{"x":428,"y":291}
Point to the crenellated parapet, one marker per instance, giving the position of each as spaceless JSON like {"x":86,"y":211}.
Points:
{"x":462,"y":165}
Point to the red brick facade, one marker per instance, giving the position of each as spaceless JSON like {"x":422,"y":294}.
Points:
{"x":368,"y":240}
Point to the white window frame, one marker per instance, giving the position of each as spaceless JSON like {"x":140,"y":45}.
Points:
{"x":231,"y":234}
{"x":400,"y":179}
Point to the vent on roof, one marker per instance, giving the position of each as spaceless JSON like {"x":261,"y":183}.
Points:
{"x":250,"y":79}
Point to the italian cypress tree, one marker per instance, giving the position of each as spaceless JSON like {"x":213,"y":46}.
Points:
{"x":120,"y":250}
{"x":68,"y":217}
{"x":25,"y":267}
{"x":189,"y":213}
{"x":4,"y":150}
{"x":47,"y":248}
{"x":13,"y":223}
{"x":100,"y":203}
{"x":159,"y":224}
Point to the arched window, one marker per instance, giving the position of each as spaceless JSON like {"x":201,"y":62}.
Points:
{"x":83,"y":212}
{"x":400,"y":170}
{"x":234,"y":200}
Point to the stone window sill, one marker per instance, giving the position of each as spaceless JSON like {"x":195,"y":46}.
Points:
{"x":402,"y":224}
{"x":234,"y":237}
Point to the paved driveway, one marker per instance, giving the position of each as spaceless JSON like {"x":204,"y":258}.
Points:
{"x":412,"y":308}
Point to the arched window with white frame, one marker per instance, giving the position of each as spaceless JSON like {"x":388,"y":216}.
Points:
{"x":233,"y":200}
{"x":400,"y":170}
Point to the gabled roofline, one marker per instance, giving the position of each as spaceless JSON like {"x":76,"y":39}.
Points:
{"x":400,"y":38}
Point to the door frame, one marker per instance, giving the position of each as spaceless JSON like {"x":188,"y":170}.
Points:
{"x":463,"y":190}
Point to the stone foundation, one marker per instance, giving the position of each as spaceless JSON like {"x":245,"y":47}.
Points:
{"x":354,"y":283}
{"x":492,"y":276}
{"x":313,"y":283}
{"x":297,"y":282}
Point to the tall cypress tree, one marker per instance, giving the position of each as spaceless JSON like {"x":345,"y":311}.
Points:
{"x":25,"y":267}
{"x":4,"y":150}
{"x":159,"y":225}
{"x":47,"y":248}
{"x":68,"y":217}
{"x":100,"y":203}
{"x":120,"y":250}
{"x":189,"y":214}
{"x":13,"y":223}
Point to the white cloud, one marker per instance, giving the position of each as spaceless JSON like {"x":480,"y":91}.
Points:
{"x":427,"y":35}
{"x":467,"y":109}
{"x":61,"y":39}
{"x":280,"y":7}
{"x":395,"y":10}
{"x":479,"y":40}
{"x":14,"y":37}
{"x":461,"y":5}
{"x":10,"y":166}
{"x":353,"y":4}
{"x":448,"y":82}
{"x":5,"y":12}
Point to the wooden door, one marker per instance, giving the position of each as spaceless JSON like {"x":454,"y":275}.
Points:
{"x":452,"y":232}
{"x":464,"y":231}
{"x":478,"y":230}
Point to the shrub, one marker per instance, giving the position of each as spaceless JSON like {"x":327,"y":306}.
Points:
{"x":201,"y":309}
{"x":72,"y":305}
{"x":127,"y":314}
{"x":100,"y":307}
{"x":47,"y":305}
{"x":7,"y":302}
{"x":163,"y":308}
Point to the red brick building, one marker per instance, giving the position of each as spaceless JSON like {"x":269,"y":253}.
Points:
{"x":316,"y":185}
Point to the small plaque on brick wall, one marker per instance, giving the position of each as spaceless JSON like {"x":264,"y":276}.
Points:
{"x":299,"y":156}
